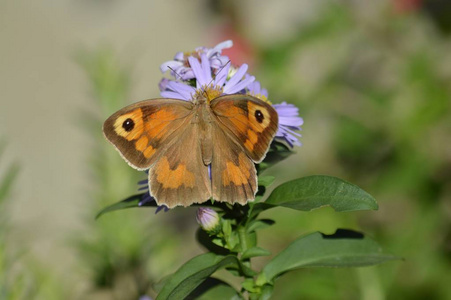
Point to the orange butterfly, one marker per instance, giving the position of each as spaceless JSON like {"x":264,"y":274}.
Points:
{"x":196,"y":150}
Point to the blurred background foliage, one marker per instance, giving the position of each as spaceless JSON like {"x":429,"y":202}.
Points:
{"x":372,"y":81}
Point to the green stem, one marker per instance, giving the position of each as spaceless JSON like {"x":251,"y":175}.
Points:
{"x":243,"y":244}
{"x":226,"y":238}
{"x":369,"y":283}
{"x":243,"y":240}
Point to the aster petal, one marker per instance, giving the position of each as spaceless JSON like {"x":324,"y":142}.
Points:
{"x":173,"y":95}
{"x":201,"y":49}
{"x":286,"y":129}
{"x":240,"y":86}
{"x":171,"y":64}
{"x":256,"y":89}
{"x":288,"y":135}
{"x":221,"y":77}
{"x":206,"y":67}
{"x":202,"y":76}
{"x":186,"y":73}
{"x":289,"y":122}
{"x":289,"y":115}
{"x":162,"y":85}
{"x":219,"y":47}
{"x":161,"y":207}
{"x":180,"y":87}
{"x":178,"y":65}
{"x":293,"y":121}
{"x":287,"y":108}
{"x":177,"y":90}
{"x":146,"y":198}
{"x":238,"y":75}
{"x":218,"y":62}
{"x":179,"y":56}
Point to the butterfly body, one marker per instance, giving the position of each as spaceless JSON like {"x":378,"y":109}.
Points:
{"x":195,"y":150}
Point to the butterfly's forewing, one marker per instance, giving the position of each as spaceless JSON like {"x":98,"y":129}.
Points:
{"x":141,"y":131}
{"x":248,"y":121}
{"x":243,"y":129}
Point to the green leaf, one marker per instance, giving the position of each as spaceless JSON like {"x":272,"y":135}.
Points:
{"x":213,"y":288}
{"x":266,"y":292}
{"x":265,"y":181}
{"x":180,"y":284}
{"x":254,"y":252}
{"x":249,"y":238}
{"x":249,"y":285}
{"x":215,"y":245}
{"x":132,"y":201}
{"x":276,"y":153}
{"x":345,"y":248}
{"x":220,"y":292}
{"x":312,"y":192}
{"x":259,"y":224}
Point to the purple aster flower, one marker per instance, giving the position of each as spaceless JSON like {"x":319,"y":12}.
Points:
{"x":255,"y":89}
{"x":181,"y":67}
{"x":205,"y":83}
{"x":289,"y":122}
{"x":163,"y":84}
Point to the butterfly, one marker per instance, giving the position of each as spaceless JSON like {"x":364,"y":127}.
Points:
{"x":195,"y":150}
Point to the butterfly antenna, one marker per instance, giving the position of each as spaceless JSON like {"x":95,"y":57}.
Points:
{"x":180,"y":76}
{"x":222,"y":68}
{"x":217,"y":73}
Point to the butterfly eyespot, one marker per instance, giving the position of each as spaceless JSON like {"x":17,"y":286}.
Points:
{"x":128,"y":125}
{"x":259,"y":116}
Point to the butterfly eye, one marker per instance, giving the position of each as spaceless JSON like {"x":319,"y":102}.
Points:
{"x":128,"y":125}
{"x":259,"y":116}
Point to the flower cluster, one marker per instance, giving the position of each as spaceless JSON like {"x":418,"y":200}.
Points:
{"x":207,"y":69}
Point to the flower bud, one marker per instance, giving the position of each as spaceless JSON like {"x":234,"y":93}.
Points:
{"x":208,"y":219}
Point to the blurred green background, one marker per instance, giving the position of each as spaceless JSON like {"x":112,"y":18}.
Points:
{"x":372,"y":80}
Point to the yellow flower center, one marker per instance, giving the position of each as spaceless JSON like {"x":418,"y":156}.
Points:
{"x":261,"y":97}
{"x":209,"y":92}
